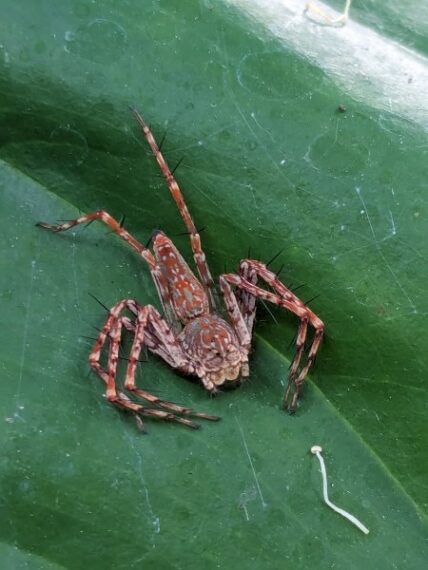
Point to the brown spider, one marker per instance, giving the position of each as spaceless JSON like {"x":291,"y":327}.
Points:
{"x":192,"y":338}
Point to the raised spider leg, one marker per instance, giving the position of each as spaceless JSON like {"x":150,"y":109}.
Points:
{"x":113,"y":224}
{"x":247,"y":301}
{"x":284,"y":298}
{"x":112,"y":330}
{"x":195,"y":239}
{"x":237,"y":320}
{"x":146,"y":254}
{"x":241,"y":306}
{"x":247,"y":307}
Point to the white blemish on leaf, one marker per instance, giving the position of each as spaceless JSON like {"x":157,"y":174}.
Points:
{"x":365,"y":64}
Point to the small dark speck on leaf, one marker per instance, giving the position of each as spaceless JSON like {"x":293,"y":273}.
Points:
{"x":341,"y":108}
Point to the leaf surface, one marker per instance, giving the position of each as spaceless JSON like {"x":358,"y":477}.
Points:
{"x":269,"y":164}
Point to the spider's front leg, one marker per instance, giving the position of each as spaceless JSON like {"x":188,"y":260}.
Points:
{"x":245,"y":299}
{"x":148,"y":328}
{"x":117,"y":228}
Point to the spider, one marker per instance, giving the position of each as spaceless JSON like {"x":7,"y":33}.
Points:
{"x":192,"y":337}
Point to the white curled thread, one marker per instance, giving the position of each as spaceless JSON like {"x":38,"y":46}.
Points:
{"x":325,"y":18}
{"x":316,"y":450}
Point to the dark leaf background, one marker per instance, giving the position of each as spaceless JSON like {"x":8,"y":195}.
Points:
{"x":271,"y":165}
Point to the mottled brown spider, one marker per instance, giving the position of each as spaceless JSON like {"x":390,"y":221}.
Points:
{"x":192,"y":337}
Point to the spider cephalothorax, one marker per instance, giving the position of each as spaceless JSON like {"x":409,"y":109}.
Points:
{"x":192,"y":337}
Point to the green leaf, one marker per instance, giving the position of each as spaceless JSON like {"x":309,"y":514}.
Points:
{"x":269,"y":164}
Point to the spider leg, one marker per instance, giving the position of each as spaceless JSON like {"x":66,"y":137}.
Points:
{"x":241,"y":306}
{"x":295,"y":383}
{"x":146,"y":254}
{"x":247,"y":308}
{"x":195,"y":239}
{"x":163,"y":343}
{"x":285,"y":298}
{"x":113,"y":224}
{"x":112,"y":330}
{"x":247,"y":301}
{"x":237,"y":318}
{"x":300,"y":346}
